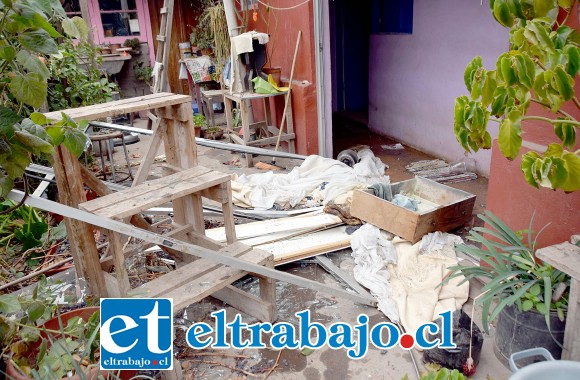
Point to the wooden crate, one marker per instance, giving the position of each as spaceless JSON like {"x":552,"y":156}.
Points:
{"x":453,"y":208}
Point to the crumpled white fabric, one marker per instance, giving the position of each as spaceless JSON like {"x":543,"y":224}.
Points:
{"x":372,"y":252}
{"x":410,"y":280}
{"x":262,"y":190}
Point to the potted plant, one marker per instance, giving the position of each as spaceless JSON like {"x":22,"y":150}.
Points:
{"x":213,"y":133}
{"x":39,"y":342}
{"x":198,"y":123}
{"x":105,"y":48}
{"x":529,"y":298}
{"x":134,"y":44}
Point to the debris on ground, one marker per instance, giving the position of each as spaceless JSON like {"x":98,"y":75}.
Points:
{"x":404,"y":277}
{"x":440,"y":171}
{"x":316,"y":182}
{"x":396,"y":146}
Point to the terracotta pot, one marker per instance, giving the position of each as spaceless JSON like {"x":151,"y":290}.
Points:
{"x":53,"y":324}
{"x":276,"y":73}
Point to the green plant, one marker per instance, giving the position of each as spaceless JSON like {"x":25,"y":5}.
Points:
{"x":71,"y":346}
{"x":133,"y":43}
{"x":143,"y":73}
{"x":201,"y":34}
{"x":443,"y":374}
{"x":199,"y":120}
{"x":541,"y":67}
{"x":515,"y":275}
{"x":27,"y":38}
{"x":76,"y":79}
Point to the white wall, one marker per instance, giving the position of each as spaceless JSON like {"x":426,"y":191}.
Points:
{"x":414,"y":79}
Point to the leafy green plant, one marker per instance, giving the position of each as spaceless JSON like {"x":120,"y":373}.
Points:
{"x":199,"y":120}
{"x":515,"y":275}
{"x":71,"y":346}
{"x":133,"y":43}
{"x":143,"y":73}
{"x":28,"y":37}
{"x":76,"y":79}
{"x":541,"y":67}
{"x":443,"y":374}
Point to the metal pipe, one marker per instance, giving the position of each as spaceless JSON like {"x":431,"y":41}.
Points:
{"x":319,"y":60}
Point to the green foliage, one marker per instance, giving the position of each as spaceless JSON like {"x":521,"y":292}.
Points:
{"x":443,"y":374}
{"x":541,"y":67}
{"x":25,"y":228}
{"x":133,"y":43}
{"x":143,"y":73}
{"x":28,"y":32}
{"x":199,"y":120}
{"x":75,"y":78}
{"x":515,"y":275}
{"x":60,"y":351}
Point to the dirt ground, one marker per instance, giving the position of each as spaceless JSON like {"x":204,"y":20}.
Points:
{"x":323,"y":363}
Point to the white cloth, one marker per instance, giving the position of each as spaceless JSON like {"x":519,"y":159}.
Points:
{"x":372,"y":252}
{"x":410,"y":280}
{"x":262,"y":190}
{"x":241,"y":44}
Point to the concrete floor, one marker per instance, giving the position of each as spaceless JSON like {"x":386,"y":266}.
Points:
{"x":323,"y":363}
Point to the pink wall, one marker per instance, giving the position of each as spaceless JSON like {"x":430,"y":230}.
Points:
{"x":283,"y":39}
{"x":414,"y":79}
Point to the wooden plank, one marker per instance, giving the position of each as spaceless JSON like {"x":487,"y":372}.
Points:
{"x":185,"y":274}
{"x":564,"y":256}
{"x":80,"y":234}
{"x":572,"y":332}
{"x":129,"y":193}
{"x":272,"y":140}
{"x":211,"y":282}
{"x":119,"y":261}
{"x":266,"y":227}
{"x":246,"y":303}
{"x":184,"y":247}
{"x":145,"y":167}
{"x":173,"y":191}
{"x":119,"y":107}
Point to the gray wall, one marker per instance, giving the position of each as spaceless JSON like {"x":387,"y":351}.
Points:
{"x":414,"y":79}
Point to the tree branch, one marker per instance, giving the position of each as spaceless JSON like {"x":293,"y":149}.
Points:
{"x":563,"y":113}
{"x":552,"y":121}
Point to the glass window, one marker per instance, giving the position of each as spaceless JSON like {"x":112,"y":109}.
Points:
{"x":119,"y":18}
{"x":71,"y":7}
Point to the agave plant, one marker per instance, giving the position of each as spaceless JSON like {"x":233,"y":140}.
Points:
{"x":516,"y":275}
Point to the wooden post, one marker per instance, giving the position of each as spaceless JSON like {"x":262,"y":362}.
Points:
{"x":566,"y":257}
{"x":80,"y":235}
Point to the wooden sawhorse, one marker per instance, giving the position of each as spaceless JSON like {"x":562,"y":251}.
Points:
{"x":186,"y":184}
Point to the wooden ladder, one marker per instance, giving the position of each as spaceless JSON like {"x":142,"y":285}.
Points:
{"x":160,"y":82}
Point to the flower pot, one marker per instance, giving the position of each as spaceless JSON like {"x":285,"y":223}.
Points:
{"x":53,"y":324}
{"x":517,"y":331}
{"x":213,"y":135}
{"x":276,"y":73}
{"x":197,"y":130}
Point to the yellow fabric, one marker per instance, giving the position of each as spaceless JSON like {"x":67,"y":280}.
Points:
{"x":273,"y":83}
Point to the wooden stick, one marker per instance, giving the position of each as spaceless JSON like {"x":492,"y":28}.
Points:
{"x":287,"y":96}
{"x":34,"y":274}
